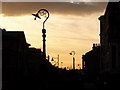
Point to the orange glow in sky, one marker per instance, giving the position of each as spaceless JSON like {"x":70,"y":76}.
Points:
{"x":65,"y":33}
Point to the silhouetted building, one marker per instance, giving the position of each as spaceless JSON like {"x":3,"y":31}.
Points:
{"x":13,"y":47}
{"x":110,"y":38}
{"x":91,"y":61}
{"x":23,"y":67}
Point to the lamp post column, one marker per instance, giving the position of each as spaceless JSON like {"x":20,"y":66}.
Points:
{"x":73,"y":63}
{"x":44,"y":46}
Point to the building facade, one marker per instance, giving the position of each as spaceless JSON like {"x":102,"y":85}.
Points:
{"x":91,"y":61}
{"x":110,"y":38}
{"x":23,"y":67}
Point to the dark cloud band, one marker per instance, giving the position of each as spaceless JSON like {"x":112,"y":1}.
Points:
{"x":59,"y":0}
{"x":61,"y":8}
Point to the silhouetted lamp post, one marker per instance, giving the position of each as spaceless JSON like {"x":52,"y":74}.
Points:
{"x":43,"y":13}
{"x":57,"y":59}
{"x":73,"y":53}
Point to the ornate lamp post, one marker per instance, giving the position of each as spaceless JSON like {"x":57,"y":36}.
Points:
{"x":73,"y":53}
{"x":43,"y":13}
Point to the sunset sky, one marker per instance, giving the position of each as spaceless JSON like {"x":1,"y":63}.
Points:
{"x":71,"y":26}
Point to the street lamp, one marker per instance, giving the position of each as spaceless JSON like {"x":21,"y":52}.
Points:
{"x":73,"y":53}
{"x":57,"y":59}
{"x":43,"y":13}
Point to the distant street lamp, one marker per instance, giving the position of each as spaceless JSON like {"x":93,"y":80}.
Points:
{"x":43,"y":13}
{"x":73,"y":53}
{"x":57,"y":59}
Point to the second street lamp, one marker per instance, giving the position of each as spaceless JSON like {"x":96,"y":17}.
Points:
{"x":73,"y":53}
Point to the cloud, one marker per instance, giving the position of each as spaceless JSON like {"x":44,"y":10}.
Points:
{"x":61,"y":8}
{"x":57,"y":0}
